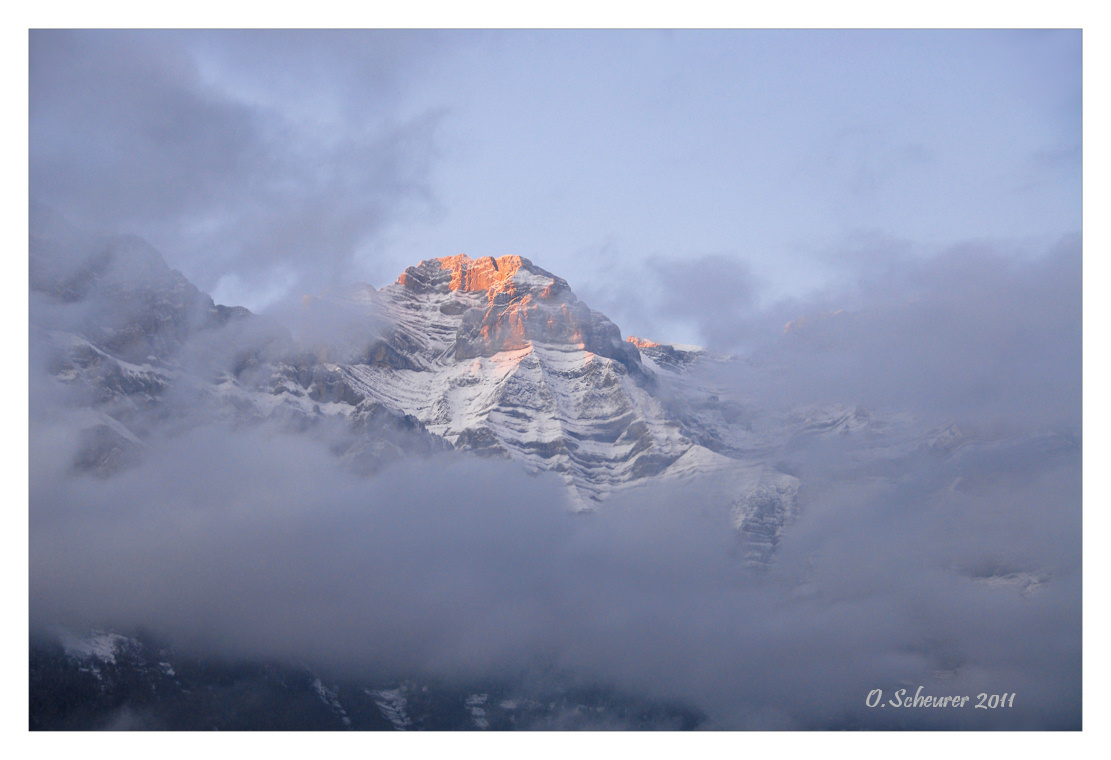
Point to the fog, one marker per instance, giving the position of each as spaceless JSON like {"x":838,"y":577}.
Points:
{"x":259,"y":545}
{"x":272,"y":204}
{"x":828,"y":209}
{"x":957,"y":571}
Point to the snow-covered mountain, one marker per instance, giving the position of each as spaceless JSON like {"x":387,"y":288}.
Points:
{"x":492,"y":356}
{"x":495,"y":357}
{"x":498,"y":357}
{"x":461,"y":357}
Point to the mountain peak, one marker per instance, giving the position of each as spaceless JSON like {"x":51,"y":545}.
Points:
{"x":483,"y":273}
{"x":503,"y":279}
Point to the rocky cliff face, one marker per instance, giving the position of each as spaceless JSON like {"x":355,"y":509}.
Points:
{"x":508,"y":304}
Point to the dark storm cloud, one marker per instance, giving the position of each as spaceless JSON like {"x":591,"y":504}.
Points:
{"x":134,"y":132}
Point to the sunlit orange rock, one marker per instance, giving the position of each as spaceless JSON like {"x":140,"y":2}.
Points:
{"x":486,"y":273}
{"x":507,"y":303}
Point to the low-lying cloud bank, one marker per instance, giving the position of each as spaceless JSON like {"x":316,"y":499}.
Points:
{"x":257,"y":544}
{"x":953,"y":569}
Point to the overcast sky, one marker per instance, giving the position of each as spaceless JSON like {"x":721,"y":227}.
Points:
{"x":265,"y":165}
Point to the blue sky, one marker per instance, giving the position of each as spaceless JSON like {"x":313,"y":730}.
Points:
{"x":267,"y":165}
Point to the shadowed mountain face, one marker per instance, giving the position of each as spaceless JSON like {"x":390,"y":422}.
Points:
{"x":133,"y":305}
{"x":106,"y":681}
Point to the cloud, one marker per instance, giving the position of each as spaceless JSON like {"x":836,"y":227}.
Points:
{"x":168,"y":135}
{"x":709,"y":297}
{"x":978,"y":333}
{"x":955,"y":569}
{"x":255,"y":543}
{"x":987,"y":332}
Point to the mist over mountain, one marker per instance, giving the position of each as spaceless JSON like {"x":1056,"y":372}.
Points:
{"x":470,"y":481}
